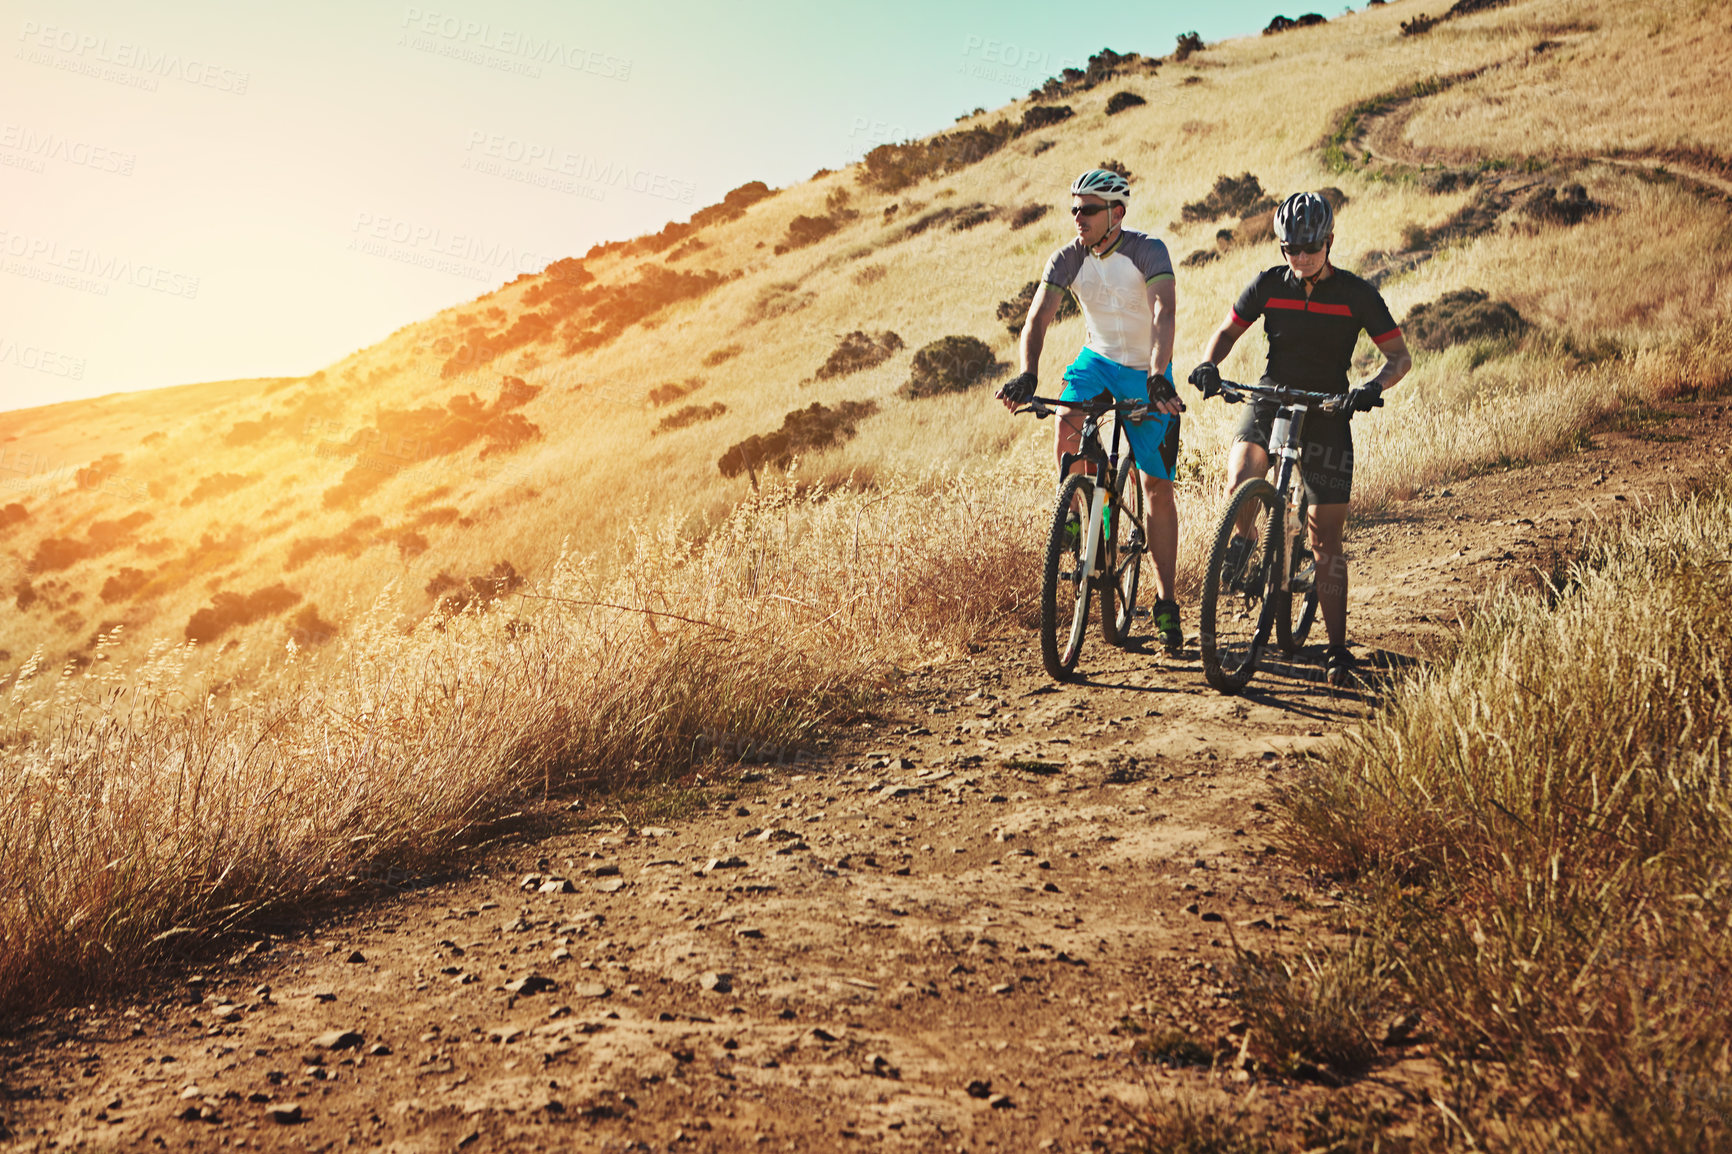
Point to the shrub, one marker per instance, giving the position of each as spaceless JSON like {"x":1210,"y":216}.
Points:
{"x":1027,"y":215}
{"x":94,"y":474}
{"x":1282,"y":24}
{"x":54,"y":553}
{"x":482,"y":590}
{"x":803,"y":430}
{"x":1231,"y":196}
{"x":1188,"y":42}
{"x":1463,"y":315}
{"x":805,"y":230}
{"x":717,"y":356}
{"x":949,"y":364}
{"x":1117,"y":166}
{"x":307,"y":628}
{"x":622,"y":306}
{"x":1014,"y":311}
{"x":1421,"y":24}
{"x":217,"y":485}
{"x":1565,"y":206}
{"x":733,"y":205}
{"x":1044,"y":116}
{"x":122,"y":586}
{"x":859,"y":351}
{"x":232,"y":610}
{"x":688,"y":415}
{"x":1102,"y":67}
{"x":13,"y":514}
{"x":248,"y":432}
{"x":893,"y":167}
{"x":1120,"y":101}
{"x":1201,"y":257}
{"x":672,"y":391}
{"x":779,"y":299}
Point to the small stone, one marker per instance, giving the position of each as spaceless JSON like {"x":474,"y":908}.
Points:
{"x":773,"y":835}
{"x":1001,"y":1102}
{"x":980,"y":1088}
{"x":1003,"y":988}
{"x":749,"y":932}
{"x":1050,"y":888}
{"x":717,"y":983}
{"x":610,"y":886}
{"x":556,"y":886}
{"x":191,"y":1093}
{"x":1192,"y":908}
{"x":607,"y":870}
{"x":589,"y":990}
{"x":357,"y":958}
{"x":820,"y":1034}
{"x":226,"y":1012}
{"x":530,"y":882}
{"x":506,"y":1034}
{"x":1212,"y":916}
{"x":561,"y":954}
{"x":731,"y":862}
{"x":288,"y":1114}
{"x":338,"y":1040}
{"x":530,"y":984}
{"x":879,"y":1066}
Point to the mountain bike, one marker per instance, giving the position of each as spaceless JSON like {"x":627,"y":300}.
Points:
{"x":1097,"y":539}
{"x":1261,"y":574}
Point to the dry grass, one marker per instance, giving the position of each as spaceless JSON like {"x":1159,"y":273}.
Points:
{"x":842,"y":551}
{"x":148,"y":815}
{"x":1540,"y":825}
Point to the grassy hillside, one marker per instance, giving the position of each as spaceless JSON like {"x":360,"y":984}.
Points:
{"x":496,"y":553}
{"x":143,"y":510}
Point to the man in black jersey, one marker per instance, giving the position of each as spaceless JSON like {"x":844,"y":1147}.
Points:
{"x":1313,"y":314}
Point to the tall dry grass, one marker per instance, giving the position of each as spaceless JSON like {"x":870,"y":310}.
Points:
{"x":1539,"y":830}
{"x":148,"y":815}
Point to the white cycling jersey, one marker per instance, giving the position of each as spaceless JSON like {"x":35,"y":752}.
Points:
{"x":1112,"y":290}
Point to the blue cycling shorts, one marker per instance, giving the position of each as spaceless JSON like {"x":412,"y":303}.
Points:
{"x":1154,"y":440}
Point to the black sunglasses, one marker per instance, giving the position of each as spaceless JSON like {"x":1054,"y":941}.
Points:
{"x":1307,"y":249}
{"x":1088,"y":209}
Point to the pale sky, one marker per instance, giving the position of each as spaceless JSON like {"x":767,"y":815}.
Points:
{"x":206,"y":191}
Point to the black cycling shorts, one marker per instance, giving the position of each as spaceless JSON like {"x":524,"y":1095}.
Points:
{"x":1325,"y":450}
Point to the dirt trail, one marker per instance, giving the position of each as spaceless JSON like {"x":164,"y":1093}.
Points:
{"x":936,"y":932}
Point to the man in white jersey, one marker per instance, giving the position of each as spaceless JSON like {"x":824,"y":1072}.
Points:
{"x":1123,"y":281}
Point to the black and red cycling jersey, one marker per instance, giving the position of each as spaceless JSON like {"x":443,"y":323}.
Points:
{"x":1311,"y":339}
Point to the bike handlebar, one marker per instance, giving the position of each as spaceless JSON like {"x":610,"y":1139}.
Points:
{"x":1235,"y":392}
{"x":1044,"y":407}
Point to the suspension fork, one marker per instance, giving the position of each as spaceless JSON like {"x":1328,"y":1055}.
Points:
{"x":1289,"y":421}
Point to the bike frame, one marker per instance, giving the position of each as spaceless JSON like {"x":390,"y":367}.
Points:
{"x":1106,"y":464}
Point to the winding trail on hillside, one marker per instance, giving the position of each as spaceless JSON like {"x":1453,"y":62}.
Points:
{"x":952,"y":926}
{"x":1377,"y":141}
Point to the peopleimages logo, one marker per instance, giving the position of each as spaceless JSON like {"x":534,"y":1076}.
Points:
{"x":40,"y":360}
{"x":87,"y":269}
{"x":470,"y":39}
{"x":44,"y":146}
{"x":490,"y":152}
{"x":132,"y":64}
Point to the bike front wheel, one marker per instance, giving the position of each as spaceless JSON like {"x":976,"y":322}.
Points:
{"x":1234,"y":615}
{"x":1298,"y":606}
{"x":1122,"y":559}
{"x":1064,"y":588}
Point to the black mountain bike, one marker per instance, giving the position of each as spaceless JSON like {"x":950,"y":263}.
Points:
{"x":1261,"y":575}
{"x":1097,"y":540}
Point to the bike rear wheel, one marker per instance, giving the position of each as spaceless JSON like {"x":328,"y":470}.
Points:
{"x":1122,"y":563}
{"x":1234,"y":617}
{"x":1064,"y":591}
{"x":1298,"y":605}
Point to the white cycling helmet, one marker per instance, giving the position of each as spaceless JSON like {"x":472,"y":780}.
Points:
{"x":1104,"y":183}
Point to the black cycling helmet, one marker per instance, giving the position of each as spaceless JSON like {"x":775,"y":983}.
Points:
{"x":1304,"y":218}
